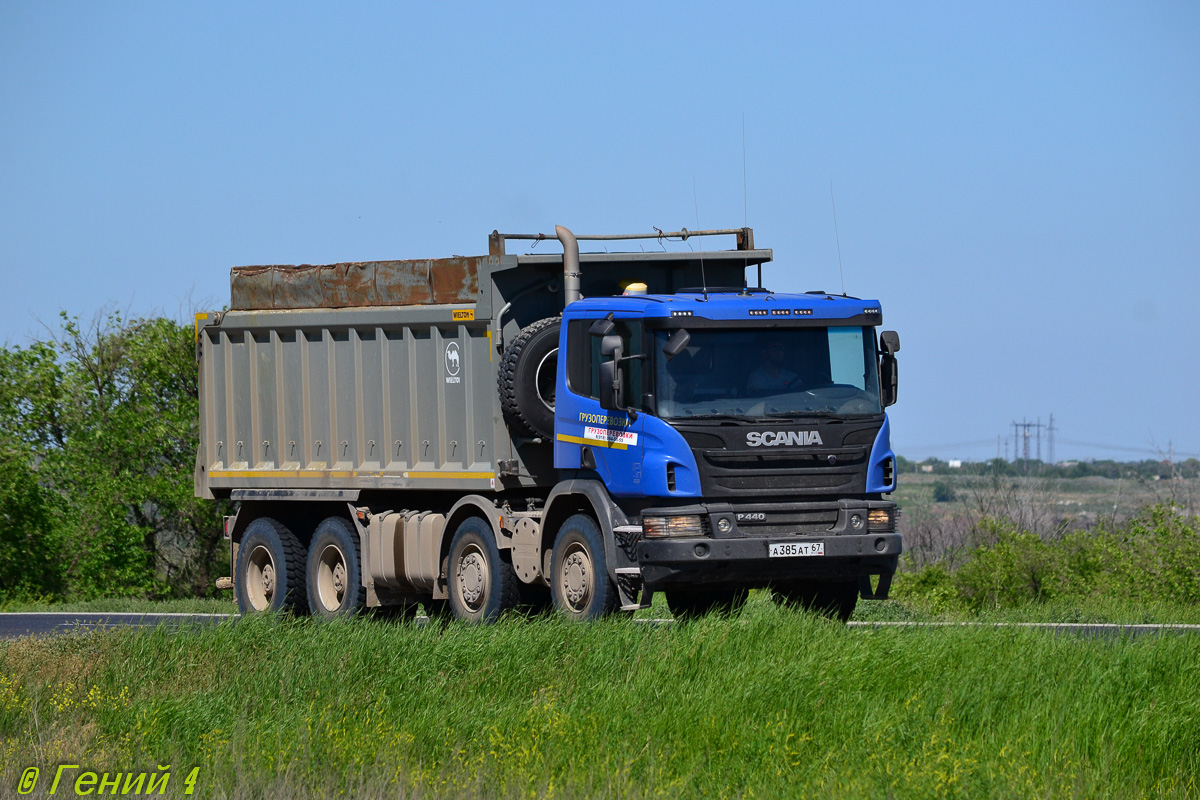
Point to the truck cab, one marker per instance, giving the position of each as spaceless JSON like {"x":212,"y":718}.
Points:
{"x":744,"y":430}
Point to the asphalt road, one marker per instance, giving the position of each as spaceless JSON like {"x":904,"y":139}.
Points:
{"x":16,"y":625}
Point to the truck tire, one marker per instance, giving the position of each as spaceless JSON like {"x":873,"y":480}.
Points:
{"x":528,"y":376}
{"x":334,"y":570}
{"x":483,"y":585}
{"x":270,"y":569}
{"x":835,"y":600}
{"x":579,"y":582}
{"x":693,"y":602}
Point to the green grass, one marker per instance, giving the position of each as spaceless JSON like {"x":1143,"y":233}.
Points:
{"x":772,"y":703}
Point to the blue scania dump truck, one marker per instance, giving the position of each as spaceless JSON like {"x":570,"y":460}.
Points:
{"x":582,"y":431}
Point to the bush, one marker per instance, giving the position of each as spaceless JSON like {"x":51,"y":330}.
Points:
{"x":933,"y":587}
{"x":943,"y":492}
{"x":1017,"y":569}
{"x":1154,"y":557}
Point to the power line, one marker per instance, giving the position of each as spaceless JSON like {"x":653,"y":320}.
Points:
{"x":1125,"y":449}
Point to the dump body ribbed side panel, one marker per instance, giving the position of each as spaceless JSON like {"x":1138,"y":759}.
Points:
{"x":358,"y":398}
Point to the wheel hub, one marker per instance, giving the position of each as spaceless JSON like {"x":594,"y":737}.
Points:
{"x":575,"y":578}
{"x":332,"y":578}
{"x":471,"y":578}
{"x":268,"y":580}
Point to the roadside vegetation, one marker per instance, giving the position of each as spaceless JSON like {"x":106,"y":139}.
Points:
{"x":771,"y":703}
{"x":99,"y":426}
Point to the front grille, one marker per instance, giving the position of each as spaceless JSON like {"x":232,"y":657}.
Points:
{"x":782,"y":473}
{"x":732,"y":467}
{"x":727,"y":460}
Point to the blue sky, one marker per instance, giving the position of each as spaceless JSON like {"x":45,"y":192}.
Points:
{"x":1019,"y":184}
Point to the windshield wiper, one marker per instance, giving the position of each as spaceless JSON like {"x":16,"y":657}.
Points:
{"x":820,"y":414}
{"x":738,"y":417}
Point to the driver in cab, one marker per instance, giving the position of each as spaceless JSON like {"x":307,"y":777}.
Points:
{"x":772,"y":376}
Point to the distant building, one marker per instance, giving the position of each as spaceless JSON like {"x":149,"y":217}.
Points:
{"x":927,"y":468}
{"x":955,"y":463}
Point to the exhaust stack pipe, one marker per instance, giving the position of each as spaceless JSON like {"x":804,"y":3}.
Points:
{"x":571,"y":273}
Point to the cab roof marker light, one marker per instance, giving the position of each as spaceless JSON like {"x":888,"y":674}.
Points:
{"x":804,"y":312}
{"x":758,"y":312}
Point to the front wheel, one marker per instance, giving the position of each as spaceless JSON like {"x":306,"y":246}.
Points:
{"x":579,"y":582}
{"x":482,"y":584}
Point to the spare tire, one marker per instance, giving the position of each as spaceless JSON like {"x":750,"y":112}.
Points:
{"x":528,"y":377}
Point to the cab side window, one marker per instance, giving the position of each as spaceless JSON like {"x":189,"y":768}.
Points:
{"x":583,"y":354}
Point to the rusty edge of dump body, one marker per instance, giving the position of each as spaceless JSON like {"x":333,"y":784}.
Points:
{"x":356,"y":284}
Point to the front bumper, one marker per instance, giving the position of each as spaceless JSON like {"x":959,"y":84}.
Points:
{"x":741,"y":557}
{"x":745,"y":561}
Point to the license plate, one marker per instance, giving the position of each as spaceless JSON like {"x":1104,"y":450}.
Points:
{"x":791,"y":549}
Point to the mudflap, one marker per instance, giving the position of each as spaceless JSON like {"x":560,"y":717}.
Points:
{"x":629,"y":588}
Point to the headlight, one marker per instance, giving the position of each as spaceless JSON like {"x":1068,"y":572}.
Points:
{"x":660,"y":527}
{"x":880,"y":519}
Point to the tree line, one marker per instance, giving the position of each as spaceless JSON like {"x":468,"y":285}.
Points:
{"x":100,"y":425}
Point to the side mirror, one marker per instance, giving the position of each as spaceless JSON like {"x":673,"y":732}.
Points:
{"x":610,"y":345}
{"x":889,"y":342}
{"x":602,"y":327}
{"x":888,"y":379}
{"x":674,"y":346}
{"x":612,"y":389}
{"x":612,"y":386}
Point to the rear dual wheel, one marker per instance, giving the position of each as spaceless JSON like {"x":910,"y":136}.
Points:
{"x":334,"y":570}
{"x":270,"y":572}
{"x":275,"y":572}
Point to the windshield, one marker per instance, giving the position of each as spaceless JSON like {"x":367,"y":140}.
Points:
{"x":765,"y":372}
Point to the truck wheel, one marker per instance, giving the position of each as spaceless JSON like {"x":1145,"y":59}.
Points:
{"x":482,"y":584}
{"x":698,"y":601}
{"x":270,"y":569}
{"x":579,"y":582}
{"x":334,"y":573}
{"x":528,"y":376}
{"x":835,"y":600}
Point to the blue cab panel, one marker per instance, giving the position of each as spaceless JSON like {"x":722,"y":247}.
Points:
{"x":640,"y":455}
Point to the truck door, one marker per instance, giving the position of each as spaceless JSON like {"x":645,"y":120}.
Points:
{"x":587,"y":436}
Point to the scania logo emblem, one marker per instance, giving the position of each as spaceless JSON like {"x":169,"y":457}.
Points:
{"x":782,"y":438}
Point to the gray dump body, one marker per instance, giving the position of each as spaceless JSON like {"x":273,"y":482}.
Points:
{"x":382,"y":375}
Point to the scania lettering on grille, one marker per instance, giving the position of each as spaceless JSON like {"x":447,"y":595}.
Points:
{"x":782,"y":438}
